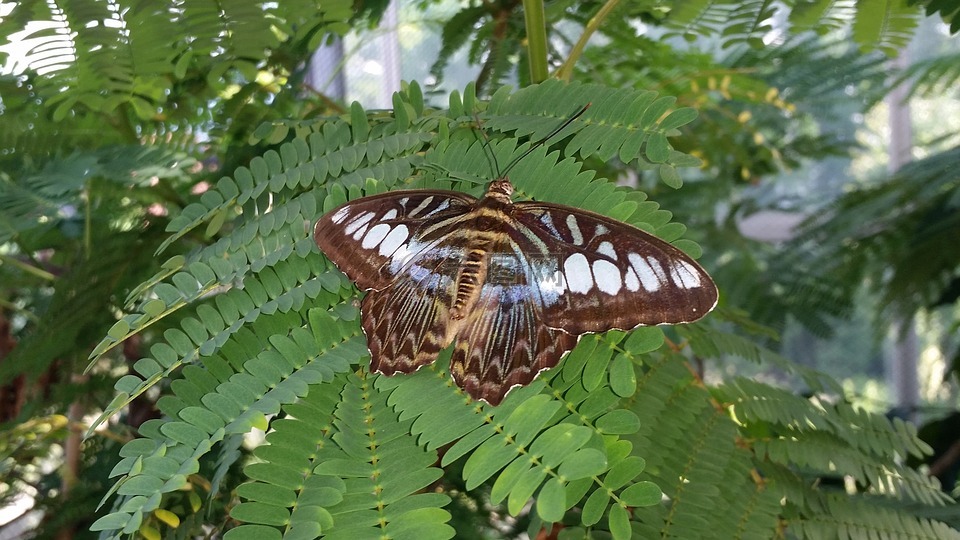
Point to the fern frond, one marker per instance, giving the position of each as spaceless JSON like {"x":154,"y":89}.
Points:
{"x":861,"y":520}
{"x":201,"y":412}
{"x":122,"y":55}
{"x":949,"y":11}
{"x":822,"y":16}
{"x":886,"y":25}
{"x":713,"y":343}
{"x":618,"y":123}
{"x":933,"y":76}
{"x":265,"y":324}
{"x":382,"y":470}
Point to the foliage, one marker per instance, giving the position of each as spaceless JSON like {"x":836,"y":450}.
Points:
{"x":128,"y":47}
{"x":124,"y":114}
{"x":879,"y":233}
{"x":493,"y":31}
{"x":593,"y":441}
{"x":949,"y":11}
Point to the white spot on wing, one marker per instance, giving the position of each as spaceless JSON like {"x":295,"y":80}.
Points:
{"x":443,"y":206}
{"x":551,"y":283}
{"x":607,"y":276}
{"x":577,"y":270}
{"x":423,"y":204}
{"x":547,"y":221}
{"x":360,"y":232}
{"x":606,"y":248}
{"x":631,"y":281}
{"x":340,"y":215}
{"x":391,"y":214}
{"x":394,"y":240}
{"x":358,"y":222}
{"x":574,"y":229}
{"x":685,"y":275}
{"x":601,"y":230}
{"x":646,"y":273}
{"x":375,"y":236}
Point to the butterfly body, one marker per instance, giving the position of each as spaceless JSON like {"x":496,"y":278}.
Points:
{"x":513,"y":284}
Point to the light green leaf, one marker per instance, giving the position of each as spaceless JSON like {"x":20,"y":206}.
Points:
{"x":551,"y":503}
{"x":619,"y":422}
{"x":641,"y":494}
{"x":623,"y":377}
{"x":619,"y":522}
{"x":584,"y":463}
{"x":252,"y":532}
{"x":624,"y":471}
{"x":594,"y":507}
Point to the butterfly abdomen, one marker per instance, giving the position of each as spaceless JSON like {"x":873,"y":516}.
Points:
{"x":470,"y":277}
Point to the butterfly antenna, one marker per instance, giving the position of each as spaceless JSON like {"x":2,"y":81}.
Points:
{"x":491,"y":156}
{"x":542,"y":141}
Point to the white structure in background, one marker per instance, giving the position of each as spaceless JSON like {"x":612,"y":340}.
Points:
{"x":342,"y":73}
{"x":902,"y":362}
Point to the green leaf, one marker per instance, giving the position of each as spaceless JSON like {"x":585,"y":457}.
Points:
{"x":624,"y":472}
{"x":508,"y":479}
{"x":583,"y":463}
{"x":677,"y":118}
{"x":552,"y":501}
{"x":594,"y":507}
{"x":619,"y":522}
{"x":530,"y":417}
{"x":644,"y":340}
{"x":670,"y":176}
{"x":119,"y":330}
{"x":110,"y":522}
{"x":619,"y":422}
{"x":154,"y":307}
{"x":252,"y":532}
{"x":623,"y":377}
{"x":256,"y":512}
{"x":641,"y":494}
{"x":658,"y":150}
{"x":523,"y":490}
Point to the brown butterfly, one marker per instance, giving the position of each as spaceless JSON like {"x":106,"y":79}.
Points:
{"x":515,"y":285}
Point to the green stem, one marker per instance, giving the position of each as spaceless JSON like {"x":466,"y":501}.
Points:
{"x":87,"y":220}
{"x":14,"y":308}
{"x":535,"y":18}
{"x":32,"y":270}
{"x":566,"y":70}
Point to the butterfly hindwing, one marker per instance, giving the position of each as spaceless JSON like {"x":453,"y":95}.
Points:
{"x":370,"y":239}
{"x":598,"y":274}
{"x":504,"y":343}
{"x":407,"y":324}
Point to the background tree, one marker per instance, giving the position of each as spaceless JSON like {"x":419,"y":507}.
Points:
{"x":126,"y":114}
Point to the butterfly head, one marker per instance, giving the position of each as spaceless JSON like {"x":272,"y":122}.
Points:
{"x":501,"y":189}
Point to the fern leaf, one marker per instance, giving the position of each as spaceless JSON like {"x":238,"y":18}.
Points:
{"x":885,"y":24}
{"x":382,"y":468}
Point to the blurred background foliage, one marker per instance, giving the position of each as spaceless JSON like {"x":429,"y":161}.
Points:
{"x":115,"y":116}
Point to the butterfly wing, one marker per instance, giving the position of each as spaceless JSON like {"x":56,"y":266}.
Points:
{"x":597,"y":274}
{"x":504,"y":342}
{"x":408,"y":322}
{"x":400,"y":246}
{"x":372,"y":239}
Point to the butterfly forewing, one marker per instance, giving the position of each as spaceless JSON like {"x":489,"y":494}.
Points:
{"x":598,"y":274}
{"x":370,"y":239}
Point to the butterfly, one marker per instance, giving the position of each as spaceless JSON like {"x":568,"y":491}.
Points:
{"x":513,"y":284}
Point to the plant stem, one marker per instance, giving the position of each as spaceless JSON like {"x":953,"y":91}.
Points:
{"x":32,"y":270}
{"x":566,"y":70}
{"x":535,"y":19}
